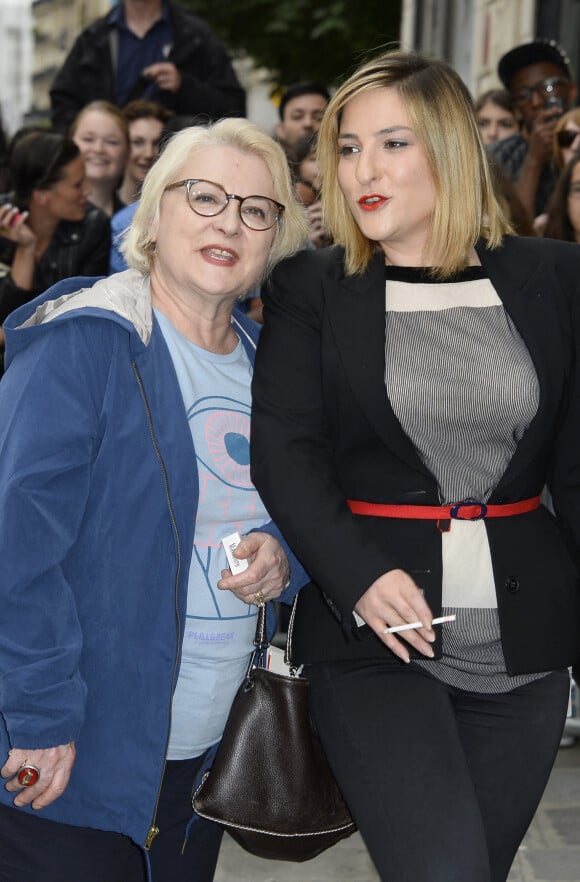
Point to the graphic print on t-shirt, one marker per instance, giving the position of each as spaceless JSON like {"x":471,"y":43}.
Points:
{"x":227,"y":499}
{"x":219,"y":628}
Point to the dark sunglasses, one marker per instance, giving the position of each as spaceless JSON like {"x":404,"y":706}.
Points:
{"x":566,"y":137}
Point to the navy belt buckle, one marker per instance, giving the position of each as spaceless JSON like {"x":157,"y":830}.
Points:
{"x":468,"y":504}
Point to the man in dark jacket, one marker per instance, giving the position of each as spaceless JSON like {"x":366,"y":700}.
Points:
{"x":153,"y":50}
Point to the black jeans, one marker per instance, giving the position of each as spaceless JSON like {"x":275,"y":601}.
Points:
{"x":34,"y":849}
{"x":442,"y":783}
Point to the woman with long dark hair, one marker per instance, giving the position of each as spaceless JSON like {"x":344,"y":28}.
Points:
{"x":563,"y":220}
{"x":48,"y":231}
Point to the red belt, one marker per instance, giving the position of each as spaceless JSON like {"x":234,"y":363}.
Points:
{"x":461,"y":511}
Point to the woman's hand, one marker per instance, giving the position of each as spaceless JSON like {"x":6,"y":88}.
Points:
{"x":317,"y":232}
{"x":541,"y":136}
{"x":394,"y":599}
{"x":13,"y":226}
{"x":55,"y":765}
{"x":268,"y":571}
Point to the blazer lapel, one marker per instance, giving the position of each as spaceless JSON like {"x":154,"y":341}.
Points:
{"x":526,"y":293}
{"x":356,"y":309}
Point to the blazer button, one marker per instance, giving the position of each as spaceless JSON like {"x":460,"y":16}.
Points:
{"x":512,"y":585}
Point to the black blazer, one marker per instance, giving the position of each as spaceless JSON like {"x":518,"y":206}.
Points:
{"x":324,"y":431}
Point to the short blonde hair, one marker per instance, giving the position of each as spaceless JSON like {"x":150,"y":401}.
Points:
{"x":247,"y":138}
{"x":441,"y":114}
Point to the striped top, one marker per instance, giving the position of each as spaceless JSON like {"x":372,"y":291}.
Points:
{"x":464,"y":389}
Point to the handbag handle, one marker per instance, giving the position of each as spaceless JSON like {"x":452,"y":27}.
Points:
{"x":260,"y":639}
{"x":258,"y":656}
{"x":261,"y":643}
{"x":289,"y":633}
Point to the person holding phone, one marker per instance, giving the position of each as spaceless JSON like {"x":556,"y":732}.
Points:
{"x":152,"y":50}
{"x":48,"y":229}
{"x":538,"y":76}
{"x":566,"y":138}
{"x":415,"y":388}
{"x":565,"y":146}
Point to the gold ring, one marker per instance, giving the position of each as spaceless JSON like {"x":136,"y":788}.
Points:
{"x":259,"y":598}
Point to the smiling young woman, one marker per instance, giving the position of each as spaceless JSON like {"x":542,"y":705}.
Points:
{"x":100,"y":132}
{"x":411,"y":399}
{"x":145,"y":121}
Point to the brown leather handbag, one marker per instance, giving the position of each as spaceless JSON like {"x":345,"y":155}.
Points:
{"x":270,"y":785}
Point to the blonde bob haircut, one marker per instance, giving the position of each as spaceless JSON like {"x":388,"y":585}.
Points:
{"x":246,"y":137}
{"x":441,"y":113}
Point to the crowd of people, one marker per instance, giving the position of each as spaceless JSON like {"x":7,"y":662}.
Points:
{"x":395,"y":237}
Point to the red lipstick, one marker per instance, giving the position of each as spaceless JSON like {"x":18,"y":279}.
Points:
{"x":372,"y":201}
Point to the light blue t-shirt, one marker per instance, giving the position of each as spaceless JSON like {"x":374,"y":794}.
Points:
{"x":219,"y":629}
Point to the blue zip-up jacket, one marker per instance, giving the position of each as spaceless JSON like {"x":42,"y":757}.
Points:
{"x":98,"y":499}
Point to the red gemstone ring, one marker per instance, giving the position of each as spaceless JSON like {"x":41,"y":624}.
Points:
{"x":28,"y":775}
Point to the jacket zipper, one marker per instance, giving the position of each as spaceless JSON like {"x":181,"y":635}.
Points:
{"x":153,"y":829}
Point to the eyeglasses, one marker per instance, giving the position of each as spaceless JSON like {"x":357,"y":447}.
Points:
{"x":545,"y":87}
{"x":209,"y":199}
{"x":567,"y":137}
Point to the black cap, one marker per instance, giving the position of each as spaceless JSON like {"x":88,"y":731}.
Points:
{"x":536,"y":52}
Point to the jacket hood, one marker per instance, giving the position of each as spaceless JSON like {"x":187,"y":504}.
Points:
{"x":123,"y":297}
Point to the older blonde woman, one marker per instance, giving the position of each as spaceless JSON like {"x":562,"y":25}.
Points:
{"x":414,"y":390}
{"x":124,"y":460}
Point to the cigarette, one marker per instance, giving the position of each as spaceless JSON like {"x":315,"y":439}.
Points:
{"x":412,"y":625}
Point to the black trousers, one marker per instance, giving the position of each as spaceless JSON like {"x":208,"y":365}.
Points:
{"x":34,"y":849}
{"x":442,"y":783}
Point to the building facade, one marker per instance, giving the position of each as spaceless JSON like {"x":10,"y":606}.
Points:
{"x":16,"y":46}
{"x":57,"y":24}
{"x":473,"y":34}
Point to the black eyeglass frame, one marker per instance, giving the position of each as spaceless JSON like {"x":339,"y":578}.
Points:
{"x":188,"y":183}
{"x":548,"y":86}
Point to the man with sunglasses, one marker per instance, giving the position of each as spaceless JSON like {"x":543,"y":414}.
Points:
{"x":539,"y":78}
